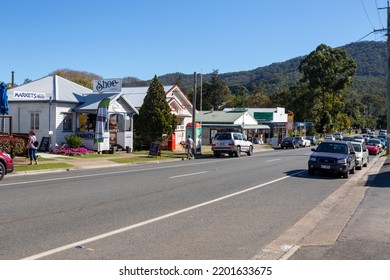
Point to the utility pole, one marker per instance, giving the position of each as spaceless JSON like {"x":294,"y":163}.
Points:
{"x":388,"y":78}
{"x":388,"y":74}
{"x":194,"y":115}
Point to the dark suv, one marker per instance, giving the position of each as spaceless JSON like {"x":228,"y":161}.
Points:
{"x":335,"y":156}
{"x":289,"y":142}
{"x":6,"y":164}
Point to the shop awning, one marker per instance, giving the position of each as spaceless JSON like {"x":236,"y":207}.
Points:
{"x":245,"y":126}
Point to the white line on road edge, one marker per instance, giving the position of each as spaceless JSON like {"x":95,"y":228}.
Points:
{"x":189,"y":174}
{"x":124,"y":229}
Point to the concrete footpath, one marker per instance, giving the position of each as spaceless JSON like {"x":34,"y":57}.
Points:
{"x":366,"y":236}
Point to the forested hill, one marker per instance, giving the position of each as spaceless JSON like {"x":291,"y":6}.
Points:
{"x":370,"y":56}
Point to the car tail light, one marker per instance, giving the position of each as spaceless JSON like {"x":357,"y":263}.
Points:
{"x":231,"y":143}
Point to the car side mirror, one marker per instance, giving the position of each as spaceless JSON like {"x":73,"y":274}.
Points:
{"x":352,"y":152}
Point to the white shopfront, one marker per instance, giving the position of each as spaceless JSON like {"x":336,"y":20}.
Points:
{"x":55,"y":107}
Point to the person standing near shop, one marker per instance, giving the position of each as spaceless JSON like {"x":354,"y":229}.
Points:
{"x":32,"y":149}
{"x":190,"y":148}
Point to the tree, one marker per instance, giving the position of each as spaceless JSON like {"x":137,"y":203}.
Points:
{"x":327,"y":72}
{"x":82,"y":78}
{"x":215,"y":93}
{"x":325,"y":124}
{"x":155,"y":118}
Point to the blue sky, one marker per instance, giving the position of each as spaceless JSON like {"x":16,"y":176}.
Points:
{"x":143,"y":38}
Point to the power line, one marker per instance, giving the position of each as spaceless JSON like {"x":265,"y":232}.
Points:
{"x":379,"y":16}
{"x":365,"y":10}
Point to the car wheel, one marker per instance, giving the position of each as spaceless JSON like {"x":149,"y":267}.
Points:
{"x":346,"y":174}
{"x":359,"y":167}
{"x":250,"y":151}
{"x":352,"y":171}
{"x":217,"y":154}
{"x":311,"y":171}
{"x":2,"y":170}
{"x":238,"y":152}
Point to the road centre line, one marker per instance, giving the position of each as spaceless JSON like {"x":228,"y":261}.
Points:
{"x":124,"y":229}
{"x":275,"y":159}
{"x":189,"y":174}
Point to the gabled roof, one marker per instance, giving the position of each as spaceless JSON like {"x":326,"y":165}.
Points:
{"x":54,"y":87}
{"x":91,"y":102}
{"x":137,"y":95}
{"x":228,"y":119}
{"x":218,"y":116}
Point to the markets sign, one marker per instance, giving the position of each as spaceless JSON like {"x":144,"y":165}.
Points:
{"x":107,"y":85}
{"x":29,"y":95}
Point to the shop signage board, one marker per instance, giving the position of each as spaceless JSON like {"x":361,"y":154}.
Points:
{"x":107,"y":85}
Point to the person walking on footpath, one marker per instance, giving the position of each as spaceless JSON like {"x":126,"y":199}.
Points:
{"x":190,"y":147}
{"x":32,"y":149}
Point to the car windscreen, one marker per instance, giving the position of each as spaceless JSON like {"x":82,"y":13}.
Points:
{"x":357,"y":147}
{"x":330,"y":147}
{"x":226,"y":136}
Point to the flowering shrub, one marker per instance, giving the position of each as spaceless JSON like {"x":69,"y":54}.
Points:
{"x":72,"y":151}
{"x":12,"y":145}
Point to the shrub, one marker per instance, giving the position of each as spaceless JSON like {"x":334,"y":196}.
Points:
{"x":67,"y":151}
{"x":12,"y":145}
{"x":73,"y":141}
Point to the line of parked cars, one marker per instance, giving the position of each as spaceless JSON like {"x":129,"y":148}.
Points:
{"x":298,"y":141}
{"x":343,"y":157}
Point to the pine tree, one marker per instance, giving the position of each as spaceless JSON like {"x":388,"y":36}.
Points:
{"x":155,"y":118}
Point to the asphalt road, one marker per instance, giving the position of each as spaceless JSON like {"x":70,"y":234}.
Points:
{"x":226,"y":208}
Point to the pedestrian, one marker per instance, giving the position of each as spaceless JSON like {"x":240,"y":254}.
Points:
{"x":190,"y":147}
{"x":32,"y":149}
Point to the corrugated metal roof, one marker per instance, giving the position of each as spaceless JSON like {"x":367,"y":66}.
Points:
{"x":91,"y":101}
{"x":56,"y":87}
{"x":218,"y":116}
{"x":136,"y":95}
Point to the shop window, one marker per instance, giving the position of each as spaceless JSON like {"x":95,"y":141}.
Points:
{"x":34,"y":121}
{"x":68,"y":120}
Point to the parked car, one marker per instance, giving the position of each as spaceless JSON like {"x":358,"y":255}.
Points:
{"x":338,"y":136}
{"x":313,"y":140}
{"x":329,"y":137}
{"x":336,"y":157}
{"x":302,"y":141}
{"x":349,"y":138}
{"x":384,"y":140}
{"x":361,"y":153}
{"x":383,"y":143}
{"x":231,"y":143}
{"x":358,"y":138}
{"x":374,"y":146}
{"x":289,"y":142}
{"x":383,"y":132}
{"x":6,"y":164}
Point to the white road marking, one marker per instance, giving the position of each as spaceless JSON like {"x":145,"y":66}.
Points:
{"x":124,"y":229}
{"x":189,"y":174}
{"x":275,"y":159}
